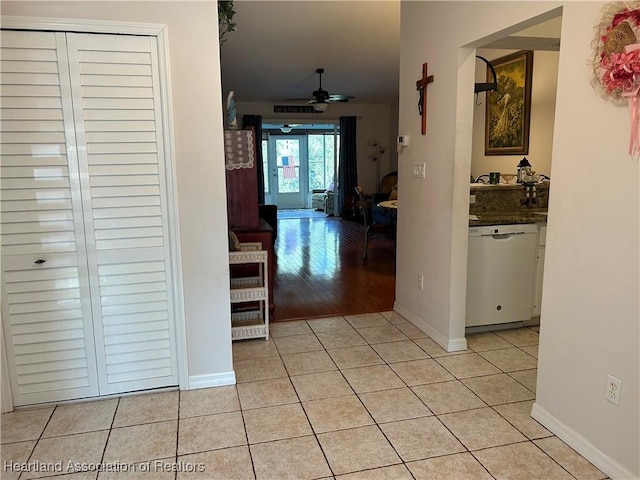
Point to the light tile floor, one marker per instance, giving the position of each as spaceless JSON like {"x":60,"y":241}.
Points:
{"x":355,"y":397}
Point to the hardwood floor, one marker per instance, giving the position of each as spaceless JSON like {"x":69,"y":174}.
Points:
{"x":320,"y":272}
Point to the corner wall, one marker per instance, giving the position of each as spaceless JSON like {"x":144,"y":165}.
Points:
{"x":591,"y":298}
{"x":590,"y":305}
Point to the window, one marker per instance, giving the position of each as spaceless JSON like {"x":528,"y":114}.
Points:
{"x":322,"y":149}
{"x":317,"y":160}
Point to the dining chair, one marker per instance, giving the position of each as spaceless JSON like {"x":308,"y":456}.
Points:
{"x":370,"y":227}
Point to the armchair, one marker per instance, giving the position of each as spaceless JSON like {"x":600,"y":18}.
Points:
{"x":323,"y":200}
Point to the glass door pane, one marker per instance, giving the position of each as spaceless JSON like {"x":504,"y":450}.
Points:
{"x":291,"y":168}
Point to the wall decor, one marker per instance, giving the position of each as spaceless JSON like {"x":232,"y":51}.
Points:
{"x":421,"y":86}
{"x":508,"y":109}
{"x":616,"y":61}
{"x":294,"y":109}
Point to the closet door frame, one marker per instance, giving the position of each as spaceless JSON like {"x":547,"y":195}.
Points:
{"x":161,"y":33}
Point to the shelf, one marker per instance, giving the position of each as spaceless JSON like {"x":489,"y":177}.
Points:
{"x":249,"y":324}
{"x":249,"y":295}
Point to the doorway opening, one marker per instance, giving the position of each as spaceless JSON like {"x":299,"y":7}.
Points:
{"x":298,"y":161}
{"x":543,"y":40}
{"x":319,"y":270}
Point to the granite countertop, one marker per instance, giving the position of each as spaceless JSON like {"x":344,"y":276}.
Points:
{"x":507,"y":218}
{"x":505,"y":186}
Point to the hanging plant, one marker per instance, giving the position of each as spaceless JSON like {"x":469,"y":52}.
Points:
{"x":225,"y":19}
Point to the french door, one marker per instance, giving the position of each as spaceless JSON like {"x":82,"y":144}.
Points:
{"x":86,"y":272}
{"x":288,"y":164}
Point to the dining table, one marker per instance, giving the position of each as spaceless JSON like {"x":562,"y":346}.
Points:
{"x":393,"y":204}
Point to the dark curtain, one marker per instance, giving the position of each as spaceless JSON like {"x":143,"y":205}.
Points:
{"x":255,"y":122}
{"x":347,"y":167}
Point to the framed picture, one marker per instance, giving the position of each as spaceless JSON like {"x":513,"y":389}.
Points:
{"x":508,"y":109}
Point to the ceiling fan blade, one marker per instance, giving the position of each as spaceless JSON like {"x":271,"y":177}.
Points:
{"x":339,"y":98}
{"x":320,"y":95}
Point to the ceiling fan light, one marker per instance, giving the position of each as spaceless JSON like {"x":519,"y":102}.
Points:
{"x":320,"y":107}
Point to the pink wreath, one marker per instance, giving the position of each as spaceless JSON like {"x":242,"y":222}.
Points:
{"x":616,"y":62}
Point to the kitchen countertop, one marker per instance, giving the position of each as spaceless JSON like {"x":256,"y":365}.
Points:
{"x":504,"y":186}
{"x":508,"y":218}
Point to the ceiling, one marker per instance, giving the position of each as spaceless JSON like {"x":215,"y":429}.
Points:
{"x":278,"y":45}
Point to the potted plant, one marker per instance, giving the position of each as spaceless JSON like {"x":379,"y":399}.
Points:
{"x":225,"y":19}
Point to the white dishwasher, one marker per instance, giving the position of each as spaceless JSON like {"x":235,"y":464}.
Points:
{"x":500,"y":274}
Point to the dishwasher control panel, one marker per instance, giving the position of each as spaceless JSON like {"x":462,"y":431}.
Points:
{"x":511,"y":229}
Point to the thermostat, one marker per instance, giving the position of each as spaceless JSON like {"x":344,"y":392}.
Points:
{"x":403,"y":140}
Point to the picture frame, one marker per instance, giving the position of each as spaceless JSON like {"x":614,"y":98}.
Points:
{"x":508,"y":109}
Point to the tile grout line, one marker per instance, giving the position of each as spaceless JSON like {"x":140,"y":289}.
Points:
{"x":246,"y":433}
{"x":39,"y":438}
{"x":386,"y":363}
{"x":527,"y":439}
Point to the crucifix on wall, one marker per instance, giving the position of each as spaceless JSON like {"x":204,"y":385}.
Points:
{"x":421,"y":86}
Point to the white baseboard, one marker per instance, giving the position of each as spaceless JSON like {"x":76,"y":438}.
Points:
{"x":450,"y":345}
{"x":606,"y":464}
{"x":213,"y":380}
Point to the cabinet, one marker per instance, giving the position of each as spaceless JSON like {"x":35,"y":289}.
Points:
{"x":242,"y":197}
{"x":539,"y":271}
{"x":87,"y":282}
{"x":249,"y":292}
{"x":241,"y":179}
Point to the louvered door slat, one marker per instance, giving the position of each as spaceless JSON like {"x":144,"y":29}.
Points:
{"x":22,"y":205}
{"x":33,"y":102}
{"x":31,"y":114}
{"x":126,"y":351}
{"x":117,"y":80}
{"x":139,"y":201}
{"x":39,"y":125}
{"x":118,"y":124}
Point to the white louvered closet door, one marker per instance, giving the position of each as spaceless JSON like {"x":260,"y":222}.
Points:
{"x":118,"y":182}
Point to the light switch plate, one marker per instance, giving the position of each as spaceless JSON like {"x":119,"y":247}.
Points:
{"x":418,"y":170}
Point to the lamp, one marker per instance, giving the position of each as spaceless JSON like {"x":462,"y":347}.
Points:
{"x":320,"y":107}
{"x":522,"y":166}
{"x":375,"y":157}
{"x":285,"y":128}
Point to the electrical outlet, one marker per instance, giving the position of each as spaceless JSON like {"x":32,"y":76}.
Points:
{"x":472,"y":199}
{"x":421,"y":282}
{"x":614,"y":389}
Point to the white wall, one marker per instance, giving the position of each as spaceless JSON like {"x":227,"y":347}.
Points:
{"x":197,"y":120}
{"x":543,"y":107}
{"x":590,"y":305}
{"x":374,"y":122}
{"x":591,"y":286}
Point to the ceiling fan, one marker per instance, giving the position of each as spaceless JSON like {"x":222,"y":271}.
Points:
{"x":320,"y":97}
